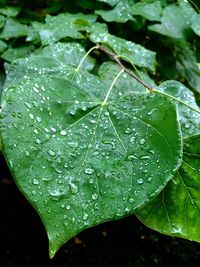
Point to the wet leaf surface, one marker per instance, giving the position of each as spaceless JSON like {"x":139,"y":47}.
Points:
{"x":180,"y":195}
{"x":83,"y":155}
{"x":189,"y":119}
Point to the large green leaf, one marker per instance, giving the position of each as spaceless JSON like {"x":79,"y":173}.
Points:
{"x":82,"y":155}
{"x":189,"y":119}
{"x":176,"y":210}
{"x":53,"y":59}
{"x":137,"y":54}
{"x":63,"y":25}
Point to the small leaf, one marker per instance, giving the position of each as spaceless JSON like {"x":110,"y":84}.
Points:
{"x":137,"y":54}
{"x":12,"y":53}
{"x":149,"y":10}
{"x":13,"y":29}
{"x":120,"y":13}
{"x":175,"y":211}
{"x":172,"y":23}
{"x":10,"y":11}
{"x":82,"y":155}
{"x":63,"y":25}
{"x":189,"y":119}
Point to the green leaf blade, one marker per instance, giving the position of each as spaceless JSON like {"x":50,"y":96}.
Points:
{"x":76,"y":160}
{"x":180,"y":195}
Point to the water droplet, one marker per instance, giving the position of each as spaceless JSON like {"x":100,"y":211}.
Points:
{"x":68,"y":207}
{"x":31,"y":116}
{"x":132,"y":140}
{"x":38,"y":119}
{"x":35,"y":131}
{"x":35,"y":182}
{"x":140,"y":181}
{"x":131,"y":200}
{"x":73,"y":187}
{"x":89,"y":171}
{"x":28,"y":105}
{"x":132,"y":157}
{"x":145,"y":157}
{"x":91,"y":181}
{"x":27,"y":153}
{"x":14,"y":125}
{"x":142,"y":141}
{"x":19,"y":115}
{"x":38,"y":141}
{"x":128,"y":131}
{"x":95,"y":196}
{"x":85,"y":216}
{"x":151,"y":111}
{"x":63,"y":132}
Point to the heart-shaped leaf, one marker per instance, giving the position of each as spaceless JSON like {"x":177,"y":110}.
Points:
{"x":175,"y":211}
{"x":82,"y":155}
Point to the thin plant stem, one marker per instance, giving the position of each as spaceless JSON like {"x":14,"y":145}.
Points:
{"x":82,"y":60}
{"x":116,"y":59}
{"x":178,"y":100}
{"x":111,"y":87}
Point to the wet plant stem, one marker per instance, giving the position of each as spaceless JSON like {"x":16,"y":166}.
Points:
{"x":115,"y":58}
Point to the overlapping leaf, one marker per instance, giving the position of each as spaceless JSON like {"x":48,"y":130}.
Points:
{"x":176,"y":211}
{"x":189,"y":119}
{"x":108,"y":71}
{"x":13,"y":29}
{"x":172,"y":23}
{"x":137,"y":54}
{"x":62,"y":26}
{"x":120,"y":13}
{"x":52,"y":59}
{"x":82,"y":155}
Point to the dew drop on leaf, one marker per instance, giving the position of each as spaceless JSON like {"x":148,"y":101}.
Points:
{"x":95,"y":196}
{"x":51,"y":153}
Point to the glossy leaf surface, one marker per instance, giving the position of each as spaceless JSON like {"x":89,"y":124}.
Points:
{"x":120,"y":13}
{"x":175,"y":211}
{"x":54,"y":59}
{"x":189,"y":119}
{"x":137,"y":54}
{"x":82,"y":155}
{"x":63,"y":25}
